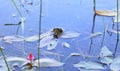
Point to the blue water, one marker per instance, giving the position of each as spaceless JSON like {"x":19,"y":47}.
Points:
{"x":72,"y":15}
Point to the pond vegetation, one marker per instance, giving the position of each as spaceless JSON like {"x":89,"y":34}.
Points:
{"x":36,"y":59}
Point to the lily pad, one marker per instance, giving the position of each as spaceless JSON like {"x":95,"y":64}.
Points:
{"x":52,"y":45}
{"x":36,"y":37}
{"x":46,"y":41}
{"x":13,"y":38}
{"x":106,"y":60}
{"x":70,"y":34}
{"x":16,"y":60}
{"x":47,"y":62}
{"x":105,"y":12}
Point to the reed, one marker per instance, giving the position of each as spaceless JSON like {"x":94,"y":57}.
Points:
{"x":40,"y":22}
{"x":1,"y":50}
{"x":117,"y":40}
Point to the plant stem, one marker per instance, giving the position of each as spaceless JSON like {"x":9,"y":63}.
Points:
{"x":94,"y":5}
{"x":17,"y":8}
{"x":4,"y":58}
{"x":92,"y":32}
{"x":117,"y":41}
{"x":40,"y":22}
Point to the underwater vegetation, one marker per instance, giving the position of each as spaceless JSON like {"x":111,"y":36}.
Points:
{"x":60,"y":47}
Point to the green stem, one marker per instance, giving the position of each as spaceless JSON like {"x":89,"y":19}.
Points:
{"x":17,"y":8}
{"x":40,"y":21}
{"x":116,"y":47}
{"x":94,"y":5}
{"x":4,"y":59}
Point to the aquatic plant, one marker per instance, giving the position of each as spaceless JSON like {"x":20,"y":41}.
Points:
{"x":31,"y":57}
{"x":21,"y":17}
{"x":117,"y":40}
{"x":4,"y":58}
{"x":40,"y":22}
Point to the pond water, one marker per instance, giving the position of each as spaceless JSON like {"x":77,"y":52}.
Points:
{"x":71,"y":15}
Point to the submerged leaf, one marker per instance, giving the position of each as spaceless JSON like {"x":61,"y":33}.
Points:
{"x":105,"y":52}
{"x":47,"y":62}
{"x":52,"y":45}
{"x":105,"y":12}
{"x":89,"y":65}
{"x":70,"y":34}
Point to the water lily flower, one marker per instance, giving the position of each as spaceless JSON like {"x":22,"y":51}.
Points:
{"x":31,"y":57}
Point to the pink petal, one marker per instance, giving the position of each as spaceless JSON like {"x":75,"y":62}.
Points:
{"x":30,"y":56}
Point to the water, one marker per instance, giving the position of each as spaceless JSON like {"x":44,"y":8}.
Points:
{"x":68,"y":14}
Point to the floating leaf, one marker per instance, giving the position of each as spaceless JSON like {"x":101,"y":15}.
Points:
{"x":52,"y":45}
{"x":11,"y":39}
{"x":105,"y":52}
{"x":106,"y":60}
{"x":50,"y":53}
{"x":72,"y":54}
{"x":93,"y":35}
{"x":12,"y":61}
{"x":105,"y":12}
{"x":70,"y":34}
{"x":45,"y":41}
{"x":32,"y":38}
{"x":16,"y":60}
{"x":47,"y":62}
{"x":36,"y":37}
{"x":115,"y":65}
{"x":65,"y":44}
{"x":89,"y":65}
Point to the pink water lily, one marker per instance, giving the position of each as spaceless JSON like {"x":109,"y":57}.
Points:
{"x":30,"y":57}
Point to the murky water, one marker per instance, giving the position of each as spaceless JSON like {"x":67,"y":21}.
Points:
{"x":71,"y":15}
